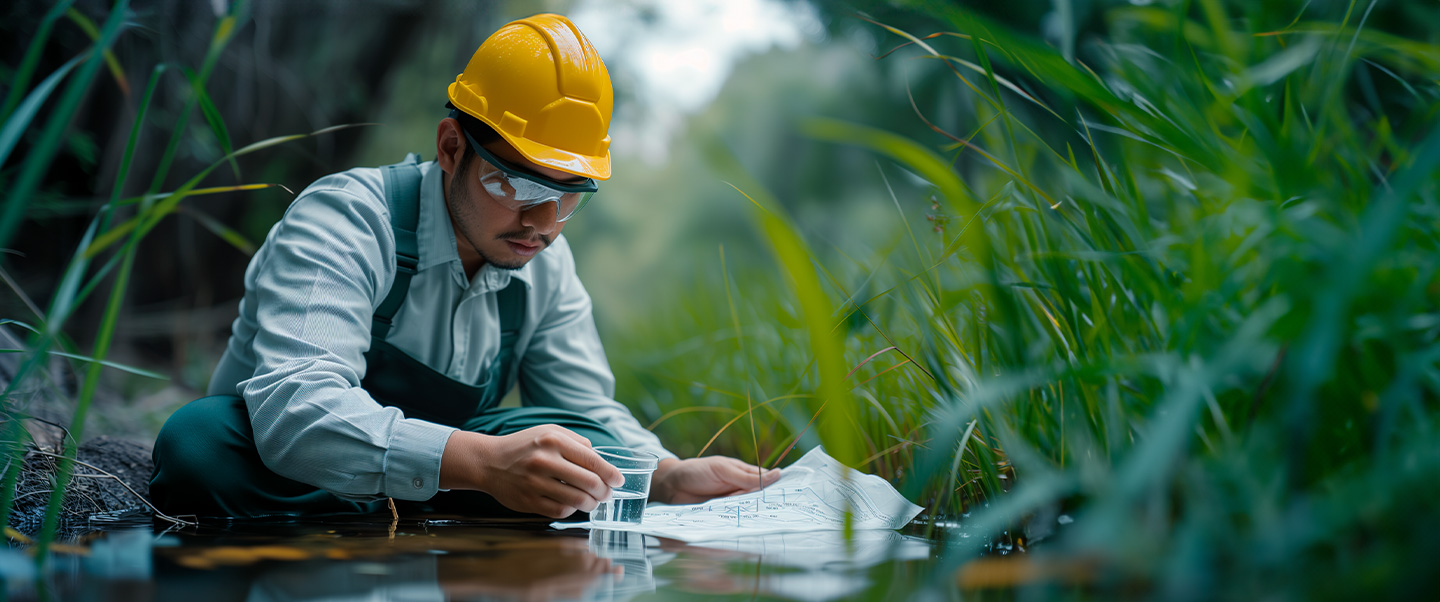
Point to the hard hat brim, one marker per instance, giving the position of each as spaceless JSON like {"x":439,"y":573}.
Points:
{"x":589,"y":166}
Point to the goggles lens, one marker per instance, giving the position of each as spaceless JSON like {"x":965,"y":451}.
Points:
{"x":519,"y":194}
{"x":520,"y":190}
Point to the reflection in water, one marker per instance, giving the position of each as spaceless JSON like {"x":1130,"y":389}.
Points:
{"x":627,"y":552}
{"x":829,"y":567}
{"x":472,"y":564}
{"x":827,"y":550}
{"x":452,"y":560}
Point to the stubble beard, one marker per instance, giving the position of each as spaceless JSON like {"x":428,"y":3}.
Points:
{"x":458,"y":194}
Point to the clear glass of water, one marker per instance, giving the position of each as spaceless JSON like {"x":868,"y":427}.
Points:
{"x":626,"y":505}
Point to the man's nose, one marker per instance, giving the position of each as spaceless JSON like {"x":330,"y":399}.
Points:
{"x":543,"y":218}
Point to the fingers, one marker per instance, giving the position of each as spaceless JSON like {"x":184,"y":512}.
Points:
{"x":569,"y":484}
{"x":551,"y":508}
{"x":588,"y":459}
{"x":547,"y":470}
{"x":577,"y":437}
{"x":751,"y":486}
{"x":746,"y":477}
{"x":559,"y":499}
{"x":580,"y":467}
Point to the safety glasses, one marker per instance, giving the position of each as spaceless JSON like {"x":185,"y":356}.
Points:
{"x":519,"y":189}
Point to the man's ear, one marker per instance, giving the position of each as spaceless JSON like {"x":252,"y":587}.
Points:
{"x":449,"y":145}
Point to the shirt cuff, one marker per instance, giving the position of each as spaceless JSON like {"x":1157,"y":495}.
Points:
{"x":412,"y":462}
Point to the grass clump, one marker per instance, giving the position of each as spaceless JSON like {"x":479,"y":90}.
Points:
{"x":1179,"y":283}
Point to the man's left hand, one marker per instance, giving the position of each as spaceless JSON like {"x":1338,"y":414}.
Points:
{"x":700,"y":479}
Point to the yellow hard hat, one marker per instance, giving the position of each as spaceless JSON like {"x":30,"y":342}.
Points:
{"x":541,"y":85}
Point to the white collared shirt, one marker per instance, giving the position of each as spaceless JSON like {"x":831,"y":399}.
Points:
{"x":296,"y":352}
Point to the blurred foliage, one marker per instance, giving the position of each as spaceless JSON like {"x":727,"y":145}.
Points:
{"x":280,"y":74}
{"x":1169,"y":268}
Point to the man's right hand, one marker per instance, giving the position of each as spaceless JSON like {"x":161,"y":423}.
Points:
{"x":547,"y":470}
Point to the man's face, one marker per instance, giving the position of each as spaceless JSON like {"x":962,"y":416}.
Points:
{"x":502,"y":237}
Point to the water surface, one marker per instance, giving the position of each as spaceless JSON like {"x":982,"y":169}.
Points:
{"x":448,"y":558}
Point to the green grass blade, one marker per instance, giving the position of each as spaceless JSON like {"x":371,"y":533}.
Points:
{"x":834,"y":403}
{"x":65,"y":468}
{"x":65,"y":300}
{"x":166,"y":204}
{"x":38,"y":163}
{"x":925,"y":162}
{"x":123,"y":173}
{"x":213,"y":118}
{"x":116,"y":71}
{"x":19,"y":121}
{"x":224,"y":31}
{"x":21,"y":80}
{"x":225,"y":233}
{"x":105,"y":363}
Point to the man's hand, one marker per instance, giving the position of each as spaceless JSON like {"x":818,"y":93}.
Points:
{"x":699,"y":479}
{"x":546,"y":470}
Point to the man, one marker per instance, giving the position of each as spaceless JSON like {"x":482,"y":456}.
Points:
{"x":391,"y":309}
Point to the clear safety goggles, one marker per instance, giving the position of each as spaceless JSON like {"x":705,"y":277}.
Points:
{"x":520,"y":190}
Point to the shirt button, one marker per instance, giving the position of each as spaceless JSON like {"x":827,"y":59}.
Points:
{"x":418,"y":482}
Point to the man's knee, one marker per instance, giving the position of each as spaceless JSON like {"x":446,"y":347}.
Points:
{"x":587,"y":427}
{"x":199,"y":440}
{"x":513,"y":420}
{"x":591,"y":429}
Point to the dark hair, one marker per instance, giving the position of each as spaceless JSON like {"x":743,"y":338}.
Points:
{"x":479,"y":130}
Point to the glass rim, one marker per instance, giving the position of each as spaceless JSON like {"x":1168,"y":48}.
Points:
{"x":638,"y":457}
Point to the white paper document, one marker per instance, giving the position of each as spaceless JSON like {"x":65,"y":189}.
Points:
{"x":812,"y":495}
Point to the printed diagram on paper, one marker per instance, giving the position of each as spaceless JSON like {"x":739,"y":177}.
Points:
{"x":811,"y":495}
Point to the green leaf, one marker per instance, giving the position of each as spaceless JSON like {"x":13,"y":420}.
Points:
{"x":8,"y":322}
{"x":37,"y":164}
{"x":225,"y":233}
{"x":224,"y":31}
{"x":20,"y":81}
{"x":122,"y":174}
{"x":116,"y":71}
{"x":213,"y":118}
{"x":166,"y":204}
{"x":19,"y":121}
{"x":926,"y":163}
{"x":833,"y":403}
{"x":108,"y":364}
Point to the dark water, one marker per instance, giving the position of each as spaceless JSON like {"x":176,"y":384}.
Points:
{"x":441,"y":558}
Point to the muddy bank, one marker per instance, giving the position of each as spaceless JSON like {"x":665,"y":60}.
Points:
{"x":91,"y":495}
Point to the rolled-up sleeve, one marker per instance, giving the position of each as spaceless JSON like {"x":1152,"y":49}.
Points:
{"x":325,"y":268}
{"x":565,"y":365}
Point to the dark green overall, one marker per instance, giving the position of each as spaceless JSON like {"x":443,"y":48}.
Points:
{"x":206,"y":462}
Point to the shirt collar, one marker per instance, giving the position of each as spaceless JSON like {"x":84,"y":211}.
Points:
{"x":437,"y":237}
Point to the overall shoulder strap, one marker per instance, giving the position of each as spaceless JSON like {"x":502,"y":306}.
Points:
{"x":402,"y":196}
{"x":511,"y":302}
